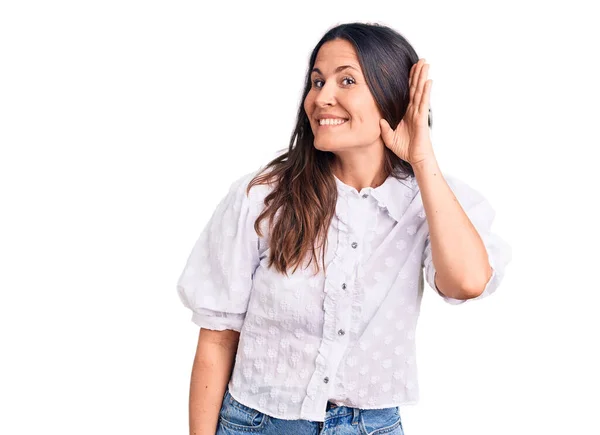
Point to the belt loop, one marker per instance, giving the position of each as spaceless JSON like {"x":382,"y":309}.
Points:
{"x":355,"y":416}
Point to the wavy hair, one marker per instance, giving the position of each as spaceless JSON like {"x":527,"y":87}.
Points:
{"x":303,"y":201}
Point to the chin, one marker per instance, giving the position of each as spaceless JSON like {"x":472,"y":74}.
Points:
{"x":325,"y":146}
{"x":329,"y":143}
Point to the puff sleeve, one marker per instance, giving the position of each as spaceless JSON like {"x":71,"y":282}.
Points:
{"x":481,"y":214}
{"x":217,"y":278}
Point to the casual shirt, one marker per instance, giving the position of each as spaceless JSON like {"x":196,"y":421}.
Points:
{"x":346,"y":334}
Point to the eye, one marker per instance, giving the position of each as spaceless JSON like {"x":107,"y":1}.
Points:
{"x":317,"y":81}
{"x":349,"y":78}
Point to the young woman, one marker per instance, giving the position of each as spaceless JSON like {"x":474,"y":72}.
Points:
{"x":307,"y":281}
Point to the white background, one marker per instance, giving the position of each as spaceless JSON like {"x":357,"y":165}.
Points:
{"x":123,"y":123}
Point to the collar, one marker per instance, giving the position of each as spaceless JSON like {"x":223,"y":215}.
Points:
{"x":394,"y":195}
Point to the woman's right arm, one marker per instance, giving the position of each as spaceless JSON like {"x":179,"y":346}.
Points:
{"x":213,"y":365}
{"x":215,"y":285}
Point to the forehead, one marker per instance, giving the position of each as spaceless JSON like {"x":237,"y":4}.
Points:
{"x":335,"y":53}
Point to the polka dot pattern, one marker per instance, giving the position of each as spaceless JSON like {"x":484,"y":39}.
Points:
{"x":347,"y":334}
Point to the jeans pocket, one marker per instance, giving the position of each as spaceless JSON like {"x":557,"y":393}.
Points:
{"x":381,"y":421}
{"x":237,"y":416}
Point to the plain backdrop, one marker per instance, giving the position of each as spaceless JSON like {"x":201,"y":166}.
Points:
{"x":123,"y":123}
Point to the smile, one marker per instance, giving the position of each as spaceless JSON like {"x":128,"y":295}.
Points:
{"x":332,"y":122}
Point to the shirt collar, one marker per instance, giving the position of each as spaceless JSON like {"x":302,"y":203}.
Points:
{"x":394,"y":195}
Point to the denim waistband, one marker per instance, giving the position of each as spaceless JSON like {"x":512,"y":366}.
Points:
{"x":334,"y":410}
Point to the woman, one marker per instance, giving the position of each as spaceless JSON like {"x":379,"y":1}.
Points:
{"x":328,"y":347}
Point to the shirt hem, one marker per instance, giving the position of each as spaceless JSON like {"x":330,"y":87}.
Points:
{"x":320,"y":419}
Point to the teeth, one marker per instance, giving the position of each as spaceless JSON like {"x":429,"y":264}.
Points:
{"x":331,"y":121}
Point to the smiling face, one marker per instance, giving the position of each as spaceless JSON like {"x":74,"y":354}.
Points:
{"x":339,"y":90}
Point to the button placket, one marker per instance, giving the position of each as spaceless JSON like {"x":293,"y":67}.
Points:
{"x":355,"y":261}
{"x":341,"y":331}
{"x":336,"y":313}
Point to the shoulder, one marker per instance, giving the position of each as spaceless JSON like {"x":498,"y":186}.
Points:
{"x":254,"y":198}
{"x":465,"y":193}
{"x":472,"y":200}
{"x":463,"y":190}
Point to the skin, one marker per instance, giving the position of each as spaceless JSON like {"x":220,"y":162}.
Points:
{"x":458,"y":252}
{"x":357,"y":144}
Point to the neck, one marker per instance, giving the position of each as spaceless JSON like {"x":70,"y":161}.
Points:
{"x":359,"y":170}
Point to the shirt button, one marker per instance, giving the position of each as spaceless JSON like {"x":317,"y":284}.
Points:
{"x":341,"y":332}
{"x":344,"y":286}
{"x":365,"y":195}
{"x":354,"y":245}
{"x":325,"y":379}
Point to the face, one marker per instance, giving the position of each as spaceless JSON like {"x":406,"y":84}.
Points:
{"x":339,"y":92}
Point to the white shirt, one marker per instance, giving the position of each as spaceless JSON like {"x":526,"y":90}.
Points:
{"x":347,"y":335}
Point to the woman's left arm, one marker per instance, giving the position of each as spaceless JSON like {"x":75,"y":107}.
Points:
{"x":458,"y":252}
{"x":459,"y":255}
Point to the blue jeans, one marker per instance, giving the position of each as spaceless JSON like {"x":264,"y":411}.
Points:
{"x":238,"y":419}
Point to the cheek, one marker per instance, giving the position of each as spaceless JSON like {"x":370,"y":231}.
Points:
{"x":308,"y":104}
{"x":370,"y":120}
{"x":368,"y":112}
{"x":367,"y":119}
{"x":368,"y":123}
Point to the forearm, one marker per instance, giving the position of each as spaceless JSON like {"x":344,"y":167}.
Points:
{"x":213,"y":363}
{"x":458,"y":253}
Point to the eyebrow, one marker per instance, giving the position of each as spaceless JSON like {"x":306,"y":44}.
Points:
{"x":337,"y":70}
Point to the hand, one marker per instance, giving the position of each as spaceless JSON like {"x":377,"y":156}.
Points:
{"x":410,"y":141}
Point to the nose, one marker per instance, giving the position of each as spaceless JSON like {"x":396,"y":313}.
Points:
{"x":326,"y":95}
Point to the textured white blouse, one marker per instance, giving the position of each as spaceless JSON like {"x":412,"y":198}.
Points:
{"x":347,"y":335}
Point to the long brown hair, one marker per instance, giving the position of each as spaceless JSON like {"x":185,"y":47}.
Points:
{"x":305,"y":193}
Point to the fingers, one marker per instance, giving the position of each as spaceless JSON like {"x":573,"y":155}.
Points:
{"x":419,"y":82}
{"x":424,"y":105}
{"x":419,"y":90}
{"x":415,"y":72}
